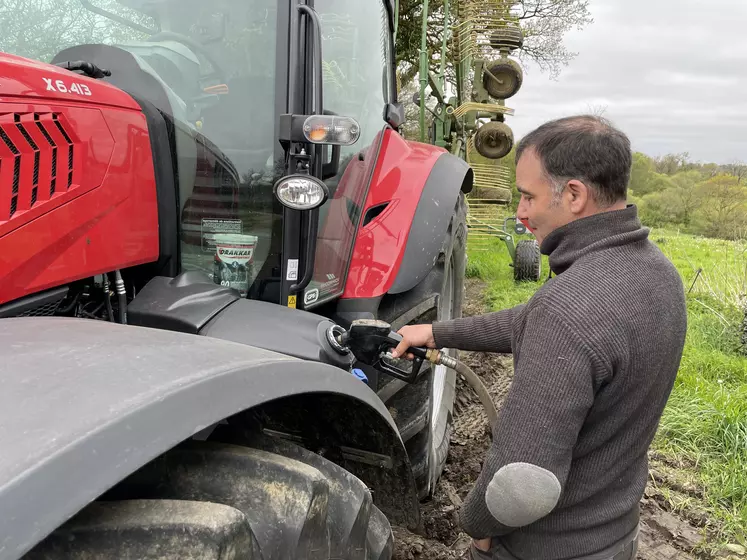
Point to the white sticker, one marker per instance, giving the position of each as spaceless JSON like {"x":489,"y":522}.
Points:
{"x":292,"y":270}
{"x":311,"y":296}
{"x":70,"y":87}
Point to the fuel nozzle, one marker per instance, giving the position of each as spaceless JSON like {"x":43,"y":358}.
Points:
{"x":371,"y":342}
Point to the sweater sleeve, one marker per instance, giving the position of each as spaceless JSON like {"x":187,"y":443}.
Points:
{"x":483,"y":333}
{"x":527,"y":465}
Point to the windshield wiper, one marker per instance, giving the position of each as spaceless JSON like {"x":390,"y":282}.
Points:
{"x":114,"y":17}
{"x":88,"y":68}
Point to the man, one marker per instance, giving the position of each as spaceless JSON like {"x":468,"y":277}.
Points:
{"x":595,"y":350}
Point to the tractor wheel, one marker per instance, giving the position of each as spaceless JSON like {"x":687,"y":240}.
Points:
{"x":424,"y":410}
{"x":221,"y":501}
{"x":528,"y":262}
{"x":494,"y":140}
{"x":506,"y":80}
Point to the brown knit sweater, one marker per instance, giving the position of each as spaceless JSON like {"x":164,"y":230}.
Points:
{"x":596,"y":351}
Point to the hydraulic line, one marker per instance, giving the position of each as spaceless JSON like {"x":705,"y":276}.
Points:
{"x":122,"y":296}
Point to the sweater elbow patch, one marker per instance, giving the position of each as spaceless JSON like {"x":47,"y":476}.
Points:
{"x":521,"y":493}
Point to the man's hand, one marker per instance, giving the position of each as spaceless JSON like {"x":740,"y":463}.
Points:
{"x":414,"y":335}
{"x":480,"y":550}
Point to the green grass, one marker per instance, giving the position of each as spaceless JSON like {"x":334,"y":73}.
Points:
{"x":705,"y":421}
{"x":492,"y":263}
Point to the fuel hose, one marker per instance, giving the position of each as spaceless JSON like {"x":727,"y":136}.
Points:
{"x":439,"y":358}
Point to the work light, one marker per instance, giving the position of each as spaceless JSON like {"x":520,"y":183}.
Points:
{"x":301,"y":192}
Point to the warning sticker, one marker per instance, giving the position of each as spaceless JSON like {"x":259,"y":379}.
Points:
{"x":211,"y":227}
{"x":292,"y":273}
{"x":292,"y":301}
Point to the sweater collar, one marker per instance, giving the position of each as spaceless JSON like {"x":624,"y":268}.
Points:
{"x":566,"y":244}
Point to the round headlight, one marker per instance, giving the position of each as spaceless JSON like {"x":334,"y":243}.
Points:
{"x":301,"y":192}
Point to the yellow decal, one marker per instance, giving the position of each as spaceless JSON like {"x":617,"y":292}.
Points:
{"x":292,"y":301}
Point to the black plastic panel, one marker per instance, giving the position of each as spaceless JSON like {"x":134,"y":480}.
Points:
{"x":185,"y":303}
{"x":274,"y":327}
{"x":192,"y":303}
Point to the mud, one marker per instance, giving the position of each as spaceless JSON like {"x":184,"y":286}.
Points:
{"x":664,"y":535}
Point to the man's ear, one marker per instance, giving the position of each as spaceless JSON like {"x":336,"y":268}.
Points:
{"x":579,"y":196}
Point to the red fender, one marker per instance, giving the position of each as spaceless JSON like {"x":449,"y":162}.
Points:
{"x":401,"y":172}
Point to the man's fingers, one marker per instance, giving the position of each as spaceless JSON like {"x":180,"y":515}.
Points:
{"x":401,"y":348}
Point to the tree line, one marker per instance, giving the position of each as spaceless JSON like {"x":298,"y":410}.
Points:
{"x":673,"y":191}
{"x":700,"y":198}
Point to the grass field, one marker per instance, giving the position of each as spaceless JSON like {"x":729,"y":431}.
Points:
{"x":704,"y":427}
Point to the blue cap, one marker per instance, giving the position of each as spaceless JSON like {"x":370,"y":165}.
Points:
{"x":360,"y":375}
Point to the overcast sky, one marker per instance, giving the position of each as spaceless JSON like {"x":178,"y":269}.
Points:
{"x":671,"y":73}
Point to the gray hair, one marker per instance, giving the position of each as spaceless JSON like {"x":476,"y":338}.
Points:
{"x":586,"y":148}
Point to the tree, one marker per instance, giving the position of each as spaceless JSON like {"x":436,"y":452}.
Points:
{"x":671,"y":164}
{"x":39,"y":29}
{"x":544,"y":23}
{"x":641,"y":172}
{"x":736,"y":169}
{"x":722,"y":202}
{"x":685,"y":195}
{"x":661,"y":208}
{"x":643,"y":176}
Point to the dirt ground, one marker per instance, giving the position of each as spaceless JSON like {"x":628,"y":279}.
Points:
{"x":664,"y":535}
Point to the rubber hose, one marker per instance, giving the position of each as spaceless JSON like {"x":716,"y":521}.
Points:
{"x":482,"y":391}
{"x":122,"y":296}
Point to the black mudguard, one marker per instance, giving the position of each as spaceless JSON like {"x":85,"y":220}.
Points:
{"x":86,"y":403}
{"x":449,"y":176}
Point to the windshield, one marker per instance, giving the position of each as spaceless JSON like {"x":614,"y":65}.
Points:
{"x":209,"y":67}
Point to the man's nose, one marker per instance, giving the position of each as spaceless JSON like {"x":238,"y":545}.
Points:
{"x":521,"y":212}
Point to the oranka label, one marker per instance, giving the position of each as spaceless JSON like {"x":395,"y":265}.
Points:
{"x":234,"y":261}
{"x":238,"y":252}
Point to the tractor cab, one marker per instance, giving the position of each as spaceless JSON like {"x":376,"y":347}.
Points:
{"x":232,"y":82}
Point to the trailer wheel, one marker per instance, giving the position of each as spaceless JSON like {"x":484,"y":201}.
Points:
{"x":528,"y":262}
{"x":219,"y":501}
{"x":494,"y":140}
{"x":508,"y":78}
{"x":423,"y":411}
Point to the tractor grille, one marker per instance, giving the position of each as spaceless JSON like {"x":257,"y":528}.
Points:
{"x":37,"y":157}
{"x":46,"y":310}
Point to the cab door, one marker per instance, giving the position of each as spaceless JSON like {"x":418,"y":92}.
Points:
{"x":358,"y":76}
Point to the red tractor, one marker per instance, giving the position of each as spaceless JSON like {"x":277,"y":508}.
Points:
{"x":198,"y":202}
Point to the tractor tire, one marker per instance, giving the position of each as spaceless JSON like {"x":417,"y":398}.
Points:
{"x":509,"y":76}
{"x":494,"y":140}
{"x":222,"y":501}
{"x":423,"y":410}
{"x":528,"y":262}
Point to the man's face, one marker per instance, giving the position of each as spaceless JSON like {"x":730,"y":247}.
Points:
{"x":537,"y":207}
